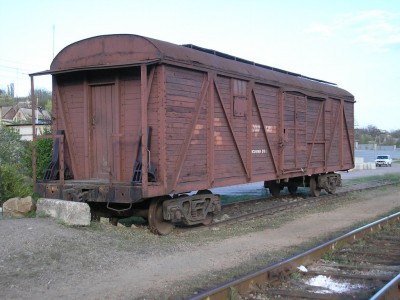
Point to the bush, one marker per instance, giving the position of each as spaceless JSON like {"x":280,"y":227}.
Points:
{"x":44,"y":148}
{"x":13,"y":183}
{"x":11,"y":146}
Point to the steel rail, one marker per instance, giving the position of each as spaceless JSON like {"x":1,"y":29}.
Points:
{"x":284,"y":268}
{"x":390,"y":291}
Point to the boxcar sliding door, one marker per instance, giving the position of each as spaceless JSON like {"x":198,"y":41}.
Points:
{"x":103,"y":127}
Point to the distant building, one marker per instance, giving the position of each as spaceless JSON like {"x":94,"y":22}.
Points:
{"x":25,"y":115}
{"x":25,"y":130}
{"x":21,"y":120}
{"x":7,"y":114}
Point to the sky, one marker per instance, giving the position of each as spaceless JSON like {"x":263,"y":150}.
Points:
{"x":353,"y":43}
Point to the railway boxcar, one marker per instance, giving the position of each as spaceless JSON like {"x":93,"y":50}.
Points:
{"x":138,"y":123}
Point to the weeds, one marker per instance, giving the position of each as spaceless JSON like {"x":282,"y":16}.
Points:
{"x":295,"y":275}
{"x":387,"y":177}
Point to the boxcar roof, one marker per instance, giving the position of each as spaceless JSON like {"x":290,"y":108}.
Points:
{"x":124,"y":50}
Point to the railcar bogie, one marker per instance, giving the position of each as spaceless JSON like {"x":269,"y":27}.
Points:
{"x":315,"y":182}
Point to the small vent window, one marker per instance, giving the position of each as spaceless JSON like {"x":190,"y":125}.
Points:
{"x":239,"y":98}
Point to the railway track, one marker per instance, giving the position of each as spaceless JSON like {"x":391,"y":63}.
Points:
{"x":246,"y":210}
{"x":362,"y":264}
{"x":234,"y":213}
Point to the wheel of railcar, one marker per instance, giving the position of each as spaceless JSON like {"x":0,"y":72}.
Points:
{"x":332,"y":186}
{"x":113,"y":221}
{"x":292,"y":189}
{"x":314,"y":189}
{"x":156,"y":220}
{"x":274,"y":188}
{"x":209,"y":218}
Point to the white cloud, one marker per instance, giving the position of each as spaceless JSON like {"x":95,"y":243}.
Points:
{"x":377,"y":29}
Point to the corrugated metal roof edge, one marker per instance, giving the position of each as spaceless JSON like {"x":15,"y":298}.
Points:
{"x":97,"y":67}
{"x":184,"y":56}
{"x":301,"y":80}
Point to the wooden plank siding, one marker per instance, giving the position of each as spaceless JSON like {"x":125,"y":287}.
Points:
{"x":130,"y":123}
{"x":70,"y":109}
{"x":309,"y":135}
{"x":186,"y":124}
{"x":210,"y":129}
{"x":266,"y":99}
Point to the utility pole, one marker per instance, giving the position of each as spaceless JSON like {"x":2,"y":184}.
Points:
{"x":54,"y":29}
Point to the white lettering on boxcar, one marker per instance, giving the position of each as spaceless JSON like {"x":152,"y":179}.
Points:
{"x":258,"y":151}
{"x":270,"y":129}
{"x":255,"y":128}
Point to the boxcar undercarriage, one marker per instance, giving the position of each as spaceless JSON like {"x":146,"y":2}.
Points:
{"x":163,"y":213}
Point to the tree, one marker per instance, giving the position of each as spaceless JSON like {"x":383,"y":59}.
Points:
{"x":11,"y":146}
{"x":42,"y":97}
{"x":373,"y":130}
{"x":48,"y":106}
{"x":10,"y":90}
{"x":44,"y":151}
{"x":13,"y":182}
{"x":395,"y":134}
{"x":6,"y":100}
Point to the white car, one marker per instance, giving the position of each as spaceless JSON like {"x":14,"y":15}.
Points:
{"x":383,"y":160}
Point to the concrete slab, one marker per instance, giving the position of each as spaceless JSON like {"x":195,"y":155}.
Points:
{"x":72,"y":213}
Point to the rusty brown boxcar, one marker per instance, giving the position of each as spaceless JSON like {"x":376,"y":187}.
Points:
{"x":138,"y":123}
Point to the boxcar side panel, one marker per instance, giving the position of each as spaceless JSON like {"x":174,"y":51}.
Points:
{"x":315,"y":133}
{"x":295,"y":121}
{"x":229,"y":134}
{"x":266,"y":131}
{"x":70,"y":110}
{"x":334,"y":119}
{"x":130,"y":123}
{"x":185,"y":115}
{"x":348,"y":135}
{"x":152,"y":119}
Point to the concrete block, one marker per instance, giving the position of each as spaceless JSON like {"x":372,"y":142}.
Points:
{"x":359,"y":160}
{"x":72,"y":213}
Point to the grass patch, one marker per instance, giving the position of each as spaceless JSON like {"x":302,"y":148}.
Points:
{"x":295,"y":275}
{"x":31,"y":214}
{"x":41,"y":215}
{"x":393,"y":177}
{"x":227,"y":199}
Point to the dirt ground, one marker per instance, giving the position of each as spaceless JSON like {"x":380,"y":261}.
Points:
{"x":41,"y":258}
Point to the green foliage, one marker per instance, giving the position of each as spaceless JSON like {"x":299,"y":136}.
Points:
{"x":11,"y":146}
{"x":6,"y":100}
{"x":43,"y":157}
{"x":295,"y":275}
{"x":42,"y":96}
{"x":233,"y":293}
{"x":373,"y":135}
{"x":48,"y":106}
{"x":393,"y":177}
{"x":13,"y":183}
{"x":226,"y":199}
